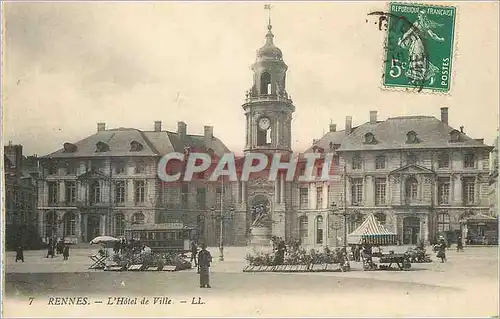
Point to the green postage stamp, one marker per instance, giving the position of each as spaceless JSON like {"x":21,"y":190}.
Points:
{"x":419,"y":47}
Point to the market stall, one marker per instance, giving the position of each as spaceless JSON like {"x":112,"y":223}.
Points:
{"x":373,"y":233}
{"x":481,"y":229}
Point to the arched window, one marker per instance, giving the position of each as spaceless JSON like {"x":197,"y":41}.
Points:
{"x":138,"y":218}
{"x":303,"y":229}
{"x":319,"y":229}
{"x":411,"y":188}
{"x":119,"y":224}
{"x":381,"y":217}
{"x":265,"y":83}
{"x":69,"y":224}
{"x":443,"y":222}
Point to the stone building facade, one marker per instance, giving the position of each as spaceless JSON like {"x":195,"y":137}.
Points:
{"x":20,"y":198}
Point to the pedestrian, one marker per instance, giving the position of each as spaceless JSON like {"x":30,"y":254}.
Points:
{"x":204,"y":260}
{"x":66,"y":252}
{"x":357,"y":253}
{"x":194,"y":252}
{"x":442,"y":249}
{"x":20,"y":253}
{"x":50,"y":251}
{"x":280,"y":254}
{"x":460,"y":244}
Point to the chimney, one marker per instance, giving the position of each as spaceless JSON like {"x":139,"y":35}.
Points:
{"x":444,"y":115}
{"x":157,"y":126}
{"x":373,"y":117}
{"x":181,"y":129}
{"x":101,"y":127}
{"x":348,"y":125}
{"x":208,"y":133}
{"x":333,"y":127}
{"x":462,"y":130}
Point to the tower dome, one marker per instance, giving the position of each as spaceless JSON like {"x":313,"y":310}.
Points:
{"x":269,"y":51}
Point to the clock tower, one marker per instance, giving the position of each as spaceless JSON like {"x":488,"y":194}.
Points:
{"x":268,"y":107}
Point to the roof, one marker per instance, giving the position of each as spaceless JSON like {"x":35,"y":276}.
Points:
{"x":153,"y":144}
{"x":335,"y":138}
{"x":370,"y":227}
{"x":391,"y":134}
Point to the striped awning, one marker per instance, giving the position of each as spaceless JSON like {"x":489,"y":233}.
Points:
{"x":372,"y":232}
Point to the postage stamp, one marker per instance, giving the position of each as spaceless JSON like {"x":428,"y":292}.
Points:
{"x":419,"y":48}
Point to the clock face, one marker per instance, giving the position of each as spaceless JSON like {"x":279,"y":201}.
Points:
{"x":264,"y":123}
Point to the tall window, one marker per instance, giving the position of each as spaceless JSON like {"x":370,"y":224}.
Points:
{"x":319,"y":229}
{"x":356,"y":162}
{"x":380,"y":191}
{"x":303,"y":228}
{"x":95,"y":192}
{"x":140,"y":167}
{"x":319,"y":197}
{"x":201,"y":198}
{"x":69,"y":224}
{"x":184,"y":196}
{"x":443,"y":160}
{"x":119,"y":224}
{"x":381,"y":217}
{"x":98,"y":165}
{"x":120,"y":192}
{"x":52,"y":168}
{"x":469,"y":190}
{"x":71,"y":167}
{"x":357,"y":191}
{"x":120,"y":167}
{"x":265,"y":83}
{"x":140,"y":191}
{"x":411,"y":159}
{"x":380,"y":162}
{"x":469,"y":160}
{"x":443,"y":222}
{"x":304,"y":198}
{"x":411,"y":188}
{"x":443,"y":191}
{"x":70,"y":195}
{"x":53,"y":192}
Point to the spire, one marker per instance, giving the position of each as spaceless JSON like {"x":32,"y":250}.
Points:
{"x":269,"y":35}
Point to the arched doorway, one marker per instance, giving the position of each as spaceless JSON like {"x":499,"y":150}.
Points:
{"x":93,"y":227}
{"x":411,"y":230}
{"x":69,"y":224}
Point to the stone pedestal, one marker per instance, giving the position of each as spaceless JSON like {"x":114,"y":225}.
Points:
{"x":260,"y":236}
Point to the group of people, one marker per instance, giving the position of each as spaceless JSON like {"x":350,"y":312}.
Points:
{"x":202,"y":259}
{"x":58,"y":248}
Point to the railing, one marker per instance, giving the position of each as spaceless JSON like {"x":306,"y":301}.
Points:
{"x":269,"y":97}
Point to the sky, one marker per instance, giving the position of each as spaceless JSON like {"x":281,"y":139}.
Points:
{"x":70,"y":65}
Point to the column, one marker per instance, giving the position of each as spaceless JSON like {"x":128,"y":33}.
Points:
{"x":102,"y":225}
{"x":41,"y":224}
{"x":326,"y":229}
{"x":276,"y":190}
{"x":62,"y":194}
{"x":282,"y":188}
{"x":312,"y":196}
{"x":130,"y":191}
{"x":78,"y":227}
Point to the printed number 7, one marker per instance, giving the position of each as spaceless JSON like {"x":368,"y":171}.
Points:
{"x":395,"y":71}
{"x":31,"y":300}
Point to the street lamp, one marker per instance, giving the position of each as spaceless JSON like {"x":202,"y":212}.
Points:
{"x":342,"y":212}
{"x":222,"y":217}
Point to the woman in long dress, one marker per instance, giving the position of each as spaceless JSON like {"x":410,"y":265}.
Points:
{"x":420,"y":69}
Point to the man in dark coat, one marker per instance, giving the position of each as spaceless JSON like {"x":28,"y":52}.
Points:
{"x":66,"y":252}
{"x":194,"y":252}
{"x":204,"y":260}
{"x":460,"y":244}
{"x":20,"y":253}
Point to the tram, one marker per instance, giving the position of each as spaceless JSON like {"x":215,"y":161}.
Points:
{"x":162,"y":237}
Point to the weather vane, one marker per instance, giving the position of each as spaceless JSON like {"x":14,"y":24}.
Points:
{"x":268,"y":7}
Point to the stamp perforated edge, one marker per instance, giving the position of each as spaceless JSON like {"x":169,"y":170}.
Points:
{"x":454,"y":54}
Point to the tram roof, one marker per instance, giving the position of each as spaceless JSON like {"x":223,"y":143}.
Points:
{"x":164,"y":226}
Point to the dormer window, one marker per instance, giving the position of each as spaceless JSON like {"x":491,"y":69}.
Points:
{"x":454,"y":136}
{"x":370,"y":138}
{"x":411,"y":137}
{"x":101,"y":147}
{"x":69,"y":148}
{"x":136,"y":146}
